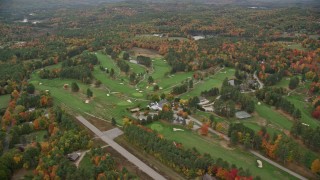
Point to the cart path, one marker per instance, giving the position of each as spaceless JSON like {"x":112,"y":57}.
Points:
{"x":134,"y":160}
{"x":253,"y":152}
{"x":278,"y":165}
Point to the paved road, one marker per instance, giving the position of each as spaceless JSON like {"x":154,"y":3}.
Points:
{"x":210,"y":129}
{"x":278,"y":165}
{"x":256,"y":77}
{"x":145,"y":168}
{"x":253,"y":152}
{"x":113,"y":133}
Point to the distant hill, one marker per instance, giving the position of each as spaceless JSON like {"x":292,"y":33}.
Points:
{"x":45,"y":4}
{"x":248,"y":2}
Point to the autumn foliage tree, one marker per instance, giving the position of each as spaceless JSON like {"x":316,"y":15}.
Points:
{"x":315,"y":167}
{"x":204,"y":129}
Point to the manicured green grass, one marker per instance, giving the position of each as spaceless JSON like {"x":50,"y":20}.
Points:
{"x":86,"y":162}
{"x":160,"y":68}
{"x":114,"y":85}
{"x":305,"y":108}
{"x":157,"y":127}
{"x":273,"y":117}
{"x":174,"y":79}
{"x":137,"y":94}
{"x":136,"y":68}
{"x":213,"y":81}
{"x":4,"y":100}
{"x":284,"y":83}
{"x":101,"y":105}
{"x":234,"y":156}
{"x":118,"y":84}
{"x":107,"y":62}
{"x":257,"y":128}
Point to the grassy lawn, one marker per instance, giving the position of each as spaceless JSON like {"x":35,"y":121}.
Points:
{"x":160,"y":68}
{"x":102,"y":105}
{"x":37,"y":136}
{"x":206,"y":115}
{"x":107,"y":62}
{"x":305,"y":108}
{"x":137,"y":68}
{"x":174,"y":79}
{"x":85,"y":162}
{"x":284,"y":83}
{"x":119,"y":84}
{"x":4,"y":100}
{"x":236,"y":156}
{"x":257,"y":127}
{"x":273,"y":116}
{"x":213,"y":81}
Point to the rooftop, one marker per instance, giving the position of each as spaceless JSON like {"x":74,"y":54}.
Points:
{"x":242,"y":115}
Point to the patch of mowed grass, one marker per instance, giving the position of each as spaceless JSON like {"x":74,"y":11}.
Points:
{"x":305,"y":108}
{"x":215,"y":80}
{"x":174,"y":79}
{"x":240,"y":158}
{"x":284,"y":83}
{"x":114,"y":85}
{"x":101,"y":105}
{"x":274,"y":117}
{"x":107,"y":62}
{"x":137,"y":94}
{"x":206,"y":115}
{"x":157,"y":127}
{"x":37,"y":136}
{"x":256,"y":128}
{"x":86,"y":162}
{"x":4,"y":100}
{"x":136,"y":68}
{"x":160,"y":67}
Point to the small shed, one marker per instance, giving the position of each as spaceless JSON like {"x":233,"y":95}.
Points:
{"x":242,"y":115}
{"x":74,"y":156}
{"x":231,"y":82}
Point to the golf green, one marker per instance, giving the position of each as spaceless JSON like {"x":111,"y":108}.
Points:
{"x":157,"y":127}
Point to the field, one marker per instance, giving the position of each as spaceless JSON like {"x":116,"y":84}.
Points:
{"x":215,"y":148}
{"x":273,"y":116}
{"x":144,"y":52}
{"x":101,"y":104}
{"x":37,"y":136}
{"x":111,"y":100}
{"x":305,"y":108}
{"x":4,"y":101}
{"x":212,"y":81}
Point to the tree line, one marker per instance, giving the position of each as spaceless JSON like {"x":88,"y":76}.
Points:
{"x":189,"y":162}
